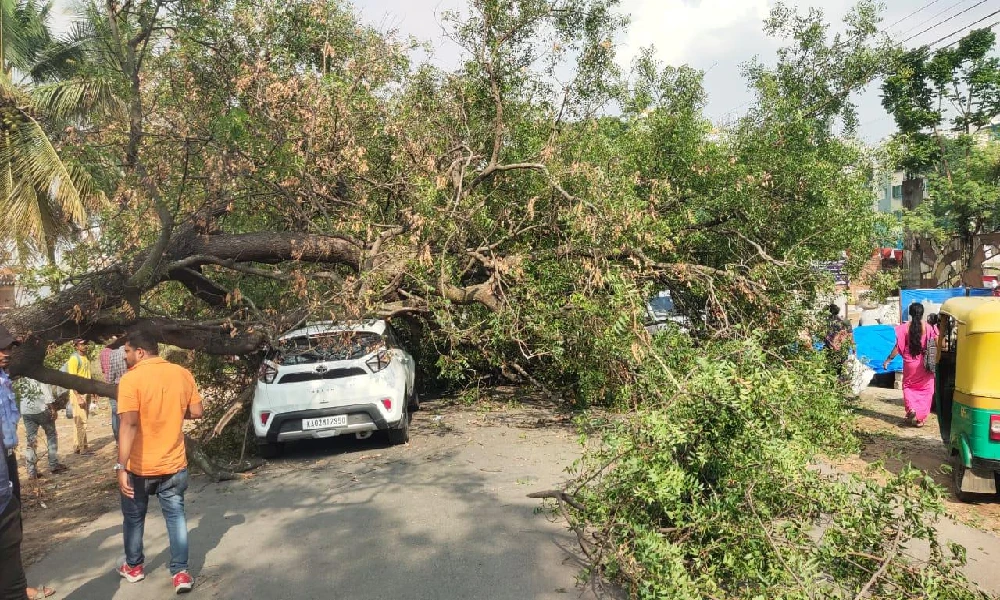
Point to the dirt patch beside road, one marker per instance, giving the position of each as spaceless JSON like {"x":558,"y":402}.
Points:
{"x":887,"y":440}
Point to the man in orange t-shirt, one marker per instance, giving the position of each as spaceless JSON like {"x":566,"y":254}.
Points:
{"x":154,"y":398}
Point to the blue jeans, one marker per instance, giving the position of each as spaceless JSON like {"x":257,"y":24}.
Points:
{"x":115,"y":420}
{"x":170,"y":490}
{"x":32,"y":423}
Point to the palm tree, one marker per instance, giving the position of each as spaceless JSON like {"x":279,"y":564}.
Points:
{"x":23,"y":31}
{"x":42,"y":197}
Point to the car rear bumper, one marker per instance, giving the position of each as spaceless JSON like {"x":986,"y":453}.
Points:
{"x":287,"y":427}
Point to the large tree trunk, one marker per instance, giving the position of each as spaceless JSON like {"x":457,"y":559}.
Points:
{"x":913,"y":195}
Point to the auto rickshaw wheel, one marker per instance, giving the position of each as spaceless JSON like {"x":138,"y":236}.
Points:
{"x":957,"y":475}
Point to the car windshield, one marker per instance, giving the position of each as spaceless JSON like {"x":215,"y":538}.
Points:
{"x":661,"y":304}
{"x":337,"y":345}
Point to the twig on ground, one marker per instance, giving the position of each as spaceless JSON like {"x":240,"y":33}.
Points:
{"x":558,"y":495}
{"x":893,"y":549}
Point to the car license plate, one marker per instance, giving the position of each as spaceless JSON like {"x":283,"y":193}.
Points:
{"x":325,"y":422}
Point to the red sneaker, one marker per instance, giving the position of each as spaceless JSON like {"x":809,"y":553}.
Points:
{"x":183,"y":582}
{"x":132,"y":574}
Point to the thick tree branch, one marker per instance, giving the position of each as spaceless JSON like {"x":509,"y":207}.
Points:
{"x":481,"y":293}
{"x":223,"y":340}
{"x":272,"y":247}
{"x":44,"y":374}
{"x":200,"y":286}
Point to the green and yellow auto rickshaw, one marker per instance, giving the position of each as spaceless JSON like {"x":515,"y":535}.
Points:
{"x":967,"y":392}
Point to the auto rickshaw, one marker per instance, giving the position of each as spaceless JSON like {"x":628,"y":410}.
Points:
{"x":967,"y":392}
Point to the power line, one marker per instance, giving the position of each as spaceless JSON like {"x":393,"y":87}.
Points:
{"x":919,"y":10}
{"x":934,"y":16}
{"x":940,"y":23}
{"x":936,"y":25}
{"x":969,"y":26}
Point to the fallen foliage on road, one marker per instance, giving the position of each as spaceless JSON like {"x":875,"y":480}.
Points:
{"x":707,"y":490}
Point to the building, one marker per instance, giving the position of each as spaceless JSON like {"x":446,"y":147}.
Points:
{"x":889,"y":197}
{"x":8,"y":289}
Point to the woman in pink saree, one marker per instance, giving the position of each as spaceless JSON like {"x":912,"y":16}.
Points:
{"x":918,"y":382}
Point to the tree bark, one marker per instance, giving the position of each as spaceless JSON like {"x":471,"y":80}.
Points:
{"x":91,"y":308}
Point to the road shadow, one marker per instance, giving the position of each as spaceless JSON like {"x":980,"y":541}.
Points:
{"x":211,"y":529}
{"x":93,"y":539}
{"x":398,"y":528}
{"x":433,"y":520}
{"x":889,"y":419}
{"x":423,"y":424}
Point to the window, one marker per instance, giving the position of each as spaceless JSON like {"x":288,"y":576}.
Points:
{"x":897,"y":192}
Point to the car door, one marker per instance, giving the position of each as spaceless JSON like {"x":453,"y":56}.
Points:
{"x":405,"y":359}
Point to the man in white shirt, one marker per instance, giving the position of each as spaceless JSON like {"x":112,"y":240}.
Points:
{"x":38,"y":411}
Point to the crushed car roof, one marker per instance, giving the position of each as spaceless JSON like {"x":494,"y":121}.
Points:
{"x":377,"y":326}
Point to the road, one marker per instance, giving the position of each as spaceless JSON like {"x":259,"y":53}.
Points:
{"x":444,"y":517}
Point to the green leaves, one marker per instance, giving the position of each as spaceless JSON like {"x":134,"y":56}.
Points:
{"x":37,"y":190}
{"x":954,"y":88}
{"x":712,"y":493}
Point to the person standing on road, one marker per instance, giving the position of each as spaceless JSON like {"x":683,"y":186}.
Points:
{"x":79,"y":365}
{"x":13,"y":584}
{"x":9,"y":414}
{"x":113,"y":367}
{"x":934,"y":320}
{"x":38,"y":410}
{"x":918,"y":382}
{"x":154,"y":398}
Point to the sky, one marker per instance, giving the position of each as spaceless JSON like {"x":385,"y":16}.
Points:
{"x":714,"y":36}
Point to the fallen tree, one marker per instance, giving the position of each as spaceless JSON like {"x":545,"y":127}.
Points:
{"x":276,"y":162}
{"x":257,"y":180}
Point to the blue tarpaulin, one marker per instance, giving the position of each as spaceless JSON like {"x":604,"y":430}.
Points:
{"x":874,"y":343}
{"x":935,"y":296}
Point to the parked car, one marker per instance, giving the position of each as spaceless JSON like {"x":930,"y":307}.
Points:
{"x":660,"y":312}
{"x":330,"y":379}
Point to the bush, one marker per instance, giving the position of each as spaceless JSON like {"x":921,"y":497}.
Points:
{"x":706,"y":489}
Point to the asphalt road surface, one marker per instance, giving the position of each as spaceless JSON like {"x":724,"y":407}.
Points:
{"x":444,"y":517}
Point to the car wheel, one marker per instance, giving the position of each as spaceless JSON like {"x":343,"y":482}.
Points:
{"x":268,"y":450}
{"x":401,"y":434}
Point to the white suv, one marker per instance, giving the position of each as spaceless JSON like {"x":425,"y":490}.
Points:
{"x":330,"y":379}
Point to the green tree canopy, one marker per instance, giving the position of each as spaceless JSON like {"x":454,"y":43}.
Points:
{"x":945,"y":103}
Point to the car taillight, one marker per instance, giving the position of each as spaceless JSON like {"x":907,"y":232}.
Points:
{"x":267,"y":373}
{"x":264,"y":416}
{"x":995,"y":428}
{"x":387,"y":403}
{"x":379,"y":361}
